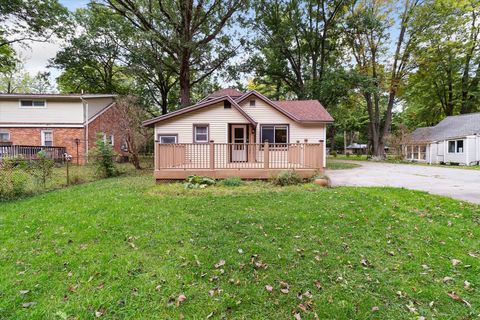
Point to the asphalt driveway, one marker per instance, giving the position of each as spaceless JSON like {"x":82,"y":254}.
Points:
{"x":457,"y":183}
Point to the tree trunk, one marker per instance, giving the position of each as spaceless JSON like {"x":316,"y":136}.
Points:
{"x":185,"y":78}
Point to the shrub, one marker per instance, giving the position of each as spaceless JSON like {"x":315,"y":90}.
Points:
{"x":198,"y":182}
{"x":333,"y":153}
{"x":42,"y":168}
{"x":286,"y":178}
{"x":103,"y":158}
{"x":232,"y":182}
{"x":13,"y":180}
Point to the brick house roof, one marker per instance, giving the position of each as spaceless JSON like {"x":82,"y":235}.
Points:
{"x":305,"y":110}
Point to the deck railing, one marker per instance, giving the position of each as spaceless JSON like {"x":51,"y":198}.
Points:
{"x":213,"y":156}
{"x":30,"y":152}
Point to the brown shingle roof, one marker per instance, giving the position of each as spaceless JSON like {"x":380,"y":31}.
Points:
{"x":305,"y":110}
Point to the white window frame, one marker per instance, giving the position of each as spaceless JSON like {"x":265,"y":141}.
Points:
{"x":166,"y":135}
{"x":456,"y":146}
{"x":282,"y":126}
{"x":110,"y":137}
{"x":43,"y":137}
{"x":8,"y":134}
{"x":201,"y":125}
{"x":33,"y":102}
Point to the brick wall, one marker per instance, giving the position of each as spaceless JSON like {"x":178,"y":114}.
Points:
{"x":62,"y":137}
{"x":106,"y":123}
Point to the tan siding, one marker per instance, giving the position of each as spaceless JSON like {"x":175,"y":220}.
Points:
{"x":55,"y":112}
{"x":95,"y":105}
{"x":216,"y":116}
{"x":265,"y":114}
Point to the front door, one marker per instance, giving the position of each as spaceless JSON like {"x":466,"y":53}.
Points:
{"x":239,"y":139}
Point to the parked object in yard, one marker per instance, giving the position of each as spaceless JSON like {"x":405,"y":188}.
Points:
{"x":231,"y":133}
{"x":455,"y":140}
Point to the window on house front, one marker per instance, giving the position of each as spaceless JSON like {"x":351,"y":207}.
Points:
{"x":108,"y":138}
{"x":459,"y":146}
{"x":47,"y":138}
{"x":227,"y":104}
{"x":274,"y":134}
{"x":200,"y":133}
{"x":252,"y":103}
{"x":32,"y":103}
{"x":4,"y":136}
{"x":167,"y":138}
{"x":455,"y":146}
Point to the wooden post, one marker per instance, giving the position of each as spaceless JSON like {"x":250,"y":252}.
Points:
{"x":156,"y":157}
{"x":212,"y":155}
{"x":266,"y":155}
{"x":68,"y":172}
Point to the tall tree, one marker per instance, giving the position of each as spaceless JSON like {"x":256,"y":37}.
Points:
{"x":31,"y":20}
{"x":92,"y":60}
{"x":298,"y":44}
{"x":193,"y":34}
{"x":447,"y":56}
{"x":367,"y":32}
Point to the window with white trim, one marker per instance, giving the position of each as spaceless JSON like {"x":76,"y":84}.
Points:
{"x":455,"y":146}
{"x":4,"y":136}
{"x":33,"y":103}
{"x":47,"y":138}
{"x":108,"y":139}
{"x":167,"y":138}
{"x":200,"y":133}
{"x":274,"y":133}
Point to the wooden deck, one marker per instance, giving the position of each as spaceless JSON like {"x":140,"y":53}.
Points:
{"x":247,"y":161}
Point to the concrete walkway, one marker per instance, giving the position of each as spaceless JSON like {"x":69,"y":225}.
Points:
{"x":462,"y":184}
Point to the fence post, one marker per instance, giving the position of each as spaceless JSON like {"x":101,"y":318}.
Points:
{"x":266,"y":155}
{"x":68,"y":172}
{"x":212,"y":155}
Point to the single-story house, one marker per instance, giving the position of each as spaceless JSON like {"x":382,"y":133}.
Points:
{"x":357,"y":148}
{"x":456,"y":139}
{"x":57,"y":124}
{"x":245,"y":134}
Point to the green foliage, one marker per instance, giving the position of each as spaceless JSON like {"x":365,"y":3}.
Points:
{"x":13,"y":179}
{"x":287,"y":178}
{"x":198,"y":182}
{"x":232,"y":182}
{"x":103,"y":157}
{"x":42,"y":168}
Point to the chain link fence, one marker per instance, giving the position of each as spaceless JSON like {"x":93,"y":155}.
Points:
{"x":20,"y":177}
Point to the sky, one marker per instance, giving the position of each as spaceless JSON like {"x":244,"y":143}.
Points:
{"x":37,"y":54}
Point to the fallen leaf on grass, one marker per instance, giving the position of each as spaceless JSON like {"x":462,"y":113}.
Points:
{"x":181,"y":298}
{"x":28,"y":304}
{"x":269,"y":288}
{"x":375,"y":309}
{"x":284,"y":287}
{"x":99,"y":313}
{"x":447,"y":279}
{"x":466,"y":284}
{"x":219,"y":264}
{"x":318,"y":284}
{"x":456,"y":297}
{"x":23,"y":292}
{"x":456,"y":262}
{"x":297,"y":316}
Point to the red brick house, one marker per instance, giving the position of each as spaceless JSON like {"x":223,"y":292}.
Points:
{"x":72,"y":121}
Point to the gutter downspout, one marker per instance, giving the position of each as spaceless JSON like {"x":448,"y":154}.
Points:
{"x":85,"y":114}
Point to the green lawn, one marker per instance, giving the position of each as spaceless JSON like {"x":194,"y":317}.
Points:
{"x":339,"y":165}
{"x":125,"y":248}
